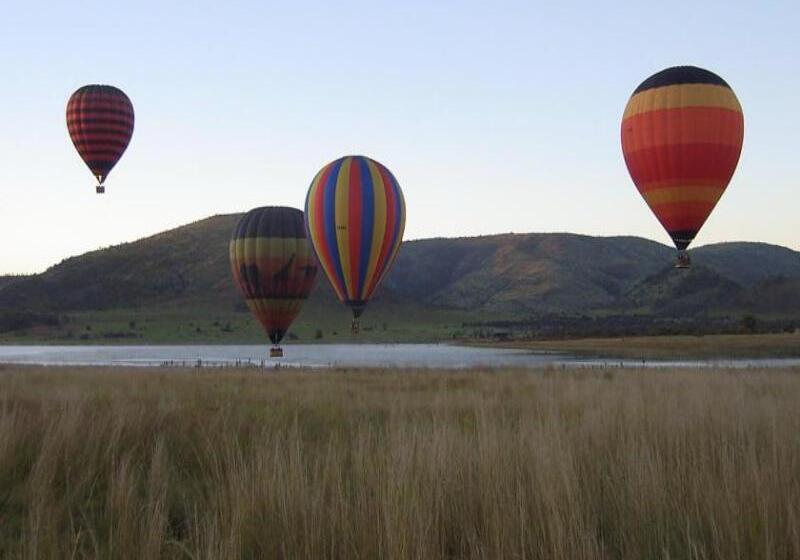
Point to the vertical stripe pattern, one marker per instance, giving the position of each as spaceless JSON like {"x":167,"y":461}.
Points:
{"x":100,"y":124}
{"x":273,"y":266}
{"x":682,"y":134}
{"x":355,"y":217}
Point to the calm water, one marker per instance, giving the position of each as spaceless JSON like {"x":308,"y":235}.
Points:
{"x":313,"y":355}
{"x":328,"y":355}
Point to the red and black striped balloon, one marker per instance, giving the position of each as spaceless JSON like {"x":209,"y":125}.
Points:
{"x":100,"y":123}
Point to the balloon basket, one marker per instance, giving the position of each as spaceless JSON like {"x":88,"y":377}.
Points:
{"x":276,"y":352}
{"x":683,"y":260}
{"x":355,"y":328}
{"x":100,"y":189}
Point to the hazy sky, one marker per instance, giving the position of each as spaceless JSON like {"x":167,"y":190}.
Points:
{"x":494,"y":117}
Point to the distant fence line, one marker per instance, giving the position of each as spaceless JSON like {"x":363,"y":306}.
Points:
{"x":250,"y":363}
{"x":596,"y":365}
{"x":220,"y":363}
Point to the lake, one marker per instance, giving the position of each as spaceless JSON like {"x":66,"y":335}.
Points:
{"x":339,"y":355}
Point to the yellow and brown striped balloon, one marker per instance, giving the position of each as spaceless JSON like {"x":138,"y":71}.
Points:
{"x":682,"y":134}
{"x":273,"y":266}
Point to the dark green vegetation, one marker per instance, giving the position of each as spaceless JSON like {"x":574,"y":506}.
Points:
{"x":176,"y":286}
{"x":399,"y":464}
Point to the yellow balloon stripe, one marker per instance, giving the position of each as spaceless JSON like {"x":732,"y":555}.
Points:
{"x":379,"y":225}
{"x":682,"y":95}
{"x":310,"y":218}
{"x":686,"y":193}
{"x":342,"y":221}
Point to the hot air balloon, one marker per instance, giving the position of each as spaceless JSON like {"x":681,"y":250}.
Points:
{"x":100,"y":123}
{"x":355,"y":217}
{"x":682,"y":134}
{"x":273,"y":265}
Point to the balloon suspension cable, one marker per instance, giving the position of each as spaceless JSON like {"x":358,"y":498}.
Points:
{"x":100,"y":188}
{"x":683,"y":260}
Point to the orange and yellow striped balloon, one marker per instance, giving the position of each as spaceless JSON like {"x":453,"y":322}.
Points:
{"x":355,"y":217}
{"x":682,"y":134}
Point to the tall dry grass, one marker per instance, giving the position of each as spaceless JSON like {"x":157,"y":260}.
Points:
{"x":547,"y":464}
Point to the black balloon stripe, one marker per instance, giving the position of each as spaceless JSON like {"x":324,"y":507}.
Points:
{"x":87,"y":118}
{"x":682,"y":238}
{"x":116,"y":131}
{"x":77,"y":115}
{"x":678,"y":75}
{"x":101,"y":162}
{"x":102,"y":143}
{"x":275,"y":222}
{"x":105,"y":159}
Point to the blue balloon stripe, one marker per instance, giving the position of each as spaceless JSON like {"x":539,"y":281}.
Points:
{"x":329,"y":211}
{"x":367,"y":223}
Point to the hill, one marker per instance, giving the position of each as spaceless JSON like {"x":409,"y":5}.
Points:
{"x":439,"y":284}
{"x":524,"y":273}
{"x":749,"y":263}
{"x":686,"y":292}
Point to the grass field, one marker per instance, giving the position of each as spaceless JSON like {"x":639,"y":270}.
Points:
{"x":673,"y":347}
{"x":193,"y":325}
{"x":399,"y":464}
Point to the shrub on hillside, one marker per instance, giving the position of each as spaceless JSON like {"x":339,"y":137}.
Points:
{"x":18,"y":320}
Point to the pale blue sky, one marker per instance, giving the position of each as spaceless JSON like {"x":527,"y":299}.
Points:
{"x":494,"y":117}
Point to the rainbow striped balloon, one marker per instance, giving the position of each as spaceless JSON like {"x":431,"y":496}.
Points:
{"x":355,"y":216}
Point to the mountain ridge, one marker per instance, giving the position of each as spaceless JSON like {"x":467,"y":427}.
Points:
{"x":508,"y":275}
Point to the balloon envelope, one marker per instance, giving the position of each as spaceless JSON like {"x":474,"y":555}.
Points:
{"x":100,"y":123}
{"x":355,"y":216}
{"x":682,"y":134}
{"x":273,"y":266}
